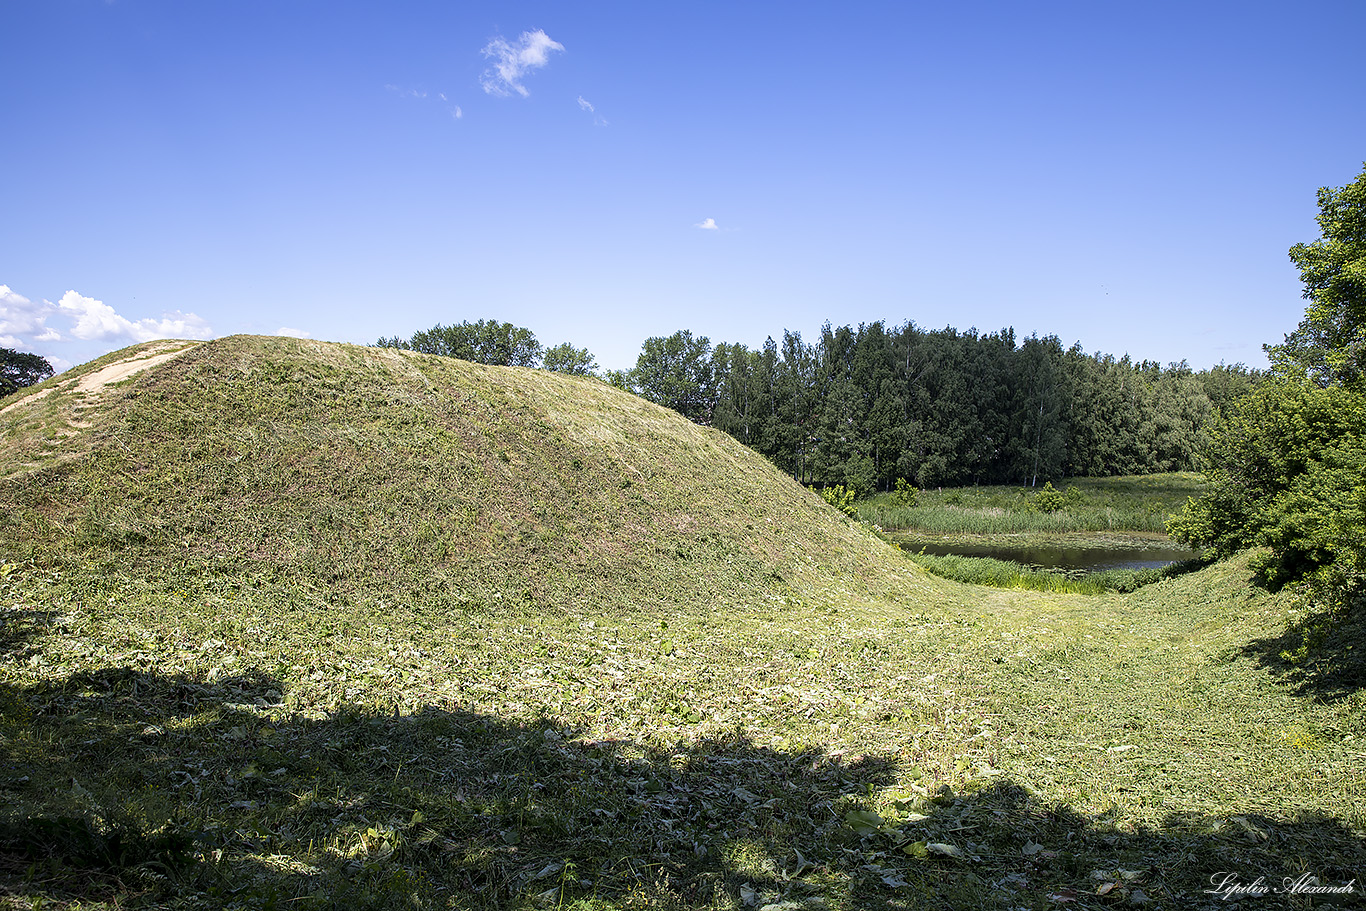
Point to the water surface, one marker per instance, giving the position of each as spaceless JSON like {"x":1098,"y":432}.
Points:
{"x":1074,"y":553}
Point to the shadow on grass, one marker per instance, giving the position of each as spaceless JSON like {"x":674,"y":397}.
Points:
{"x":1322,"y":656}
{"x":18,"y":625}
{"x":146,"y":790}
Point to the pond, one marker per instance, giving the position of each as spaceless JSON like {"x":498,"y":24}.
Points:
{"x":1073,"y":552}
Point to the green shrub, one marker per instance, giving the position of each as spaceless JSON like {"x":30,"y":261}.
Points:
{"x":906,"y":494}
{"x":841,"y":499}
{"x":1050,"y":500}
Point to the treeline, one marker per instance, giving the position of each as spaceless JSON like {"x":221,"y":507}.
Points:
{"x":865,"y":406}
{"x":492,"y":342}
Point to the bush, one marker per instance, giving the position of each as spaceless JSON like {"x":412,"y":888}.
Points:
{"x":906,"y":494}
{"x":841,"y":499}
{"x":1289,"y":472}
{"x":1050,"y":500}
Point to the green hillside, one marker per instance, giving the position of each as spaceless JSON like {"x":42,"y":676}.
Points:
{"x":365,"y":473}
{"x":288,"y":624}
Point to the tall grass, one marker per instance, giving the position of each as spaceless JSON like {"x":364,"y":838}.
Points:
{"x":1133,"y":503}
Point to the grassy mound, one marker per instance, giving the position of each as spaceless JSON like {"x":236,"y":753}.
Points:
{"x":294,"y":625}
{"x":386,"y":476}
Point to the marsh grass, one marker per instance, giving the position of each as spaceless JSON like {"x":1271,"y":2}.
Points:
{"x":268,"y":714}
{"x":1131,"y":503}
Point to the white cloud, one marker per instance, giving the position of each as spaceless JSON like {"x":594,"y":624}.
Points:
{"x":511,"y":62}
{"x":708,"y":225}
{"x":457,"y":113}
{"x":584,"y":104}
{"x":293,"y":333}
{"x":20,"y":316}
{"x":97,"y":321}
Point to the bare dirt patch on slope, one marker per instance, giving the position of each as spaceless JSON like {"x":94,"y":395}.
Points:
{"x":39,"y":427}
{"x":144,"y":358}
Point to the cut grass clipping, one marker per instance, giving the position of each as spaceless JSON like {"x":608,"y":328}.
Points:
{"x":251,"y":708}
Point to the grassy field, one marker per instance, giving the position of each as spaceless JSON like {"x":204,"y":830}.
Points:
{"x":260,"y":711}
{"x":1131,"y":503}
{"x":1118,"y":511}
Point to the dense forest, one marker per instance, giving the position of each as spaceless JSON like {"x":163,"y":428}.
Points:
{"x":868,"y":405}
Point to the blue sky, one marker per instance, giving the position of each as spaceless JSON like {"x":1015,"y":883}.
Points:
{"x":1124,"y":175}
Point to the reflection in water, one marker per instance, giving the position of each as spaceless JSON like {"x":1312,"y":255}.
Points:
{"x":1087,"y":558}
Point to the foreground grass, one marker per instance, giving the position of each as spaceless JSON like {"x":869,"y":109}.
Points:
{"x":296,"y":625}
{"x":193,"y":743}
{"x":1131,"y":503}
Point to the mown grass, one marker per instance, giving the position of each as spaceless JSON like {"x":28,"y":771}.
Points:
{"x":1131,"y":503}
{"x":242,"y":747}
{"x":280,"y":720}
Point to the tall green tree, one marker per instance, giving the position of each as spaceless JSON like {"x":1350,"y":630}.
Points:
{"x":565,"y":358}
{"x":1288,"y":467}
{"x":1040,"y":436}
{"x":484,"y":342}
{"x":1330,"y":343}
{"x":677,"y":372}
{"x":795,"y":395}
{"x":19,"y":370}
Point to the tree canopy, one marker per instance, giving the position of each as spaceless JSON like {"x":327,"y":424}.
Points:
{"x":677,"y":372}
{"x":865,"y":406}
{"x":19,"y":370}
{"x":1288,"y":463}
{"x":500,"y":344}
{"x":1330,"y":343}
{"x":565,"y":358}
{"x":484,"y":342}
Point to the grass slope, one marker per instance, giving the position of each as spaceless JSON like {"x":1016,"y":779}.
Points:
{"x":394,"y":477}
{"x":250,"y":708}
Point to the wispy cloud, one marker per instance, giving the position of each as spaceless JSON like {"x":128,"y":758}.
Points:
{"x":708,"y":225}
{"x":586,"y":105}
{"x":512,"y":62}
{"x":293,"y":333}
{"x":422,"y":94}
{"x":97,"y":321}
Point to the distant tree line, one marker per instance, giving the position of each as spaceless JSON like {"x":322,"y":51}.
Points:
{"x":865,"y":406}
